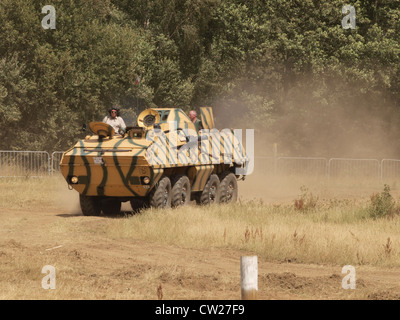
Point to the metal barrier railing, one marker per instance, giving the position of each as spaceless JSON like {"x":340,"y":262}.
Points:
{"x":24,"y":163}
{"x":345,"y":167}
{"x":266,"y":165}
{"x":55,"y":160}
{"x":390,"y":168}
{"x":331,"y":168}
{"x":41,"y":163}
{"x":302,"y":166}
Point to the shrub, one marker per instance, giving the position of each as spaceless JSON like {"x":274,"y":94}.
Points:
{"x":306,"y":200}
{"x":382,"y":204}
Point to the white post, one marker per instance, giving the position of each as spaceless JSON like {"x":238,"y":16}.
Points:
{"x":249,"y":275}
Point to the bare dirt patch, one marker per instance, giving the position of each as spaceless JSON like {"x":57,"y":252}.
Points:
{"x":90,"y":265}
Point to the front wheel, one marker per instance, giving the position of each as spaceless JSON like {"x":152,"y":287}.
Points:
{"x":90,"y":206}
{"x":138,"y":204}
{"x":160,"y":196}
{"x":111,"y":207}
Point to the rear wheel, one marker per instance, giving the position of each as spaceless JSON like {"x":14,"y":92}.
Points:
{"x":180,"y":191}
{"x":211,"y":192}
{"x":229,"y":188}
{"x":160,"y":196}
{"x":90,"y":206}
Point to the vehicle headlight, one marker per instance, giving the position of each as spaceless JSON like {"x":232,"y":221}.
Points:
{"x":74,"y":179}
{"x":146,"y":180}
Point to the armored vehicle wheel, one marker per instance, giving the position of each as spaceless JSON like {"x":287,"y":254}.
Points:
{"x":180,"y":191}
{"x":160,"y":196}
{"x":138,"y":203}
{"x":229,"y":187}
{"x":90,"y":206}
{"x":111,"y":206}
{"x":211,"y":192}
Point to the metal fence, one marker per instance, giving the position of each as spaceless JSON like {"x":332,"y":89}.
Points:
{"x":301,"y":166}
{"x":265,"y":165}
{"x":41,"y":163}
{"x":390,"y":169}
{"x":331,"y":168}
{"x":24,"y":163}
{"x":29,"y":163}
{"x":55,"y":160}
{"x":356,"y":168}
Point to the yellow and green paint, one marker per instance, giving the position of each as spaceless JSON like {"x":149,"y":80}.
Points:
{"x":130,"y":165}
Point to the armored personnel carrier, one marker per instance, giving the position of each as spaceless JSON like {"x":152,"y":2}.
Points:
{"x":160,"y":162}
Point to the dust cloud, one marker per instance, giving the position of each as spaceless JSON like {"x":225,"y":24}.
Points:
{"x":65,"y":199}
{"x":325,"y":120}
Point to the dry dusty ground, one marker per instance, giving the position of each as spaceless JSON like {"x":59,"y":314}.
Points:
{"x":89,"y":265}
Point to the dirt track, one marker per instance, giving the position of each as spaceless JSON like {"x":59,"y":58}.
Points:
{"x":92,"y":266}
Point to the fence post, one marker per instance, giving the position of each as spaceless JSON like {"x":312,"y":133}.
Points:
{"x":49,"y":166}
{"x":249,"y":276}
{"x":275,"y":151}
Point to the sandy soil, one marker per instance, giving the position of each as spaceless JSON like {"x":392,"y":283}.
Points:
{"x":89,"y":265}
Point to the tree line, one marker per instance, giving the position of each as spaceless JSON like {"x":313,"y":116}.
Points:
{"x":286,"y":68}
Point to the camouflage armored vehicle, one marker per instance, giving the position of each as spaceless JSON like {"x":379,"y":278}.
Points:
{"x":160,"y":162}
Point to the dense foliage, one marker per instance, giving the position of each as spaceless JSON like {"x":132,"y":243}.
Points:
{"x":286,"y":68}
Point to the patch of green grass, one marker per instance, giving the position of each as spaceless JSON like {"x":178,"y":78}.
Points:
{"x":383,"y":204}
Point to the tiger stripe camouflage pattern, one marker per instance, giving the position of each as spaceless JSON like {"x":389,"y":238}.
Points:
{"x":161,"y":161}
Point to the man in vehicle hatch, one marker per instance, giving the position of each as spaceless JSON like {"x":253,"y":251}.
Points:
{"x":115,"y":120}
{"x":197,"y":122}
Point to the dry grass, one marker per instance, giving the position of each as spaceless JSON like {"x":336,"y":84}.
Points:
{"x":337,"y":235}
{"x":25,"y":193}
{"x":333,"y":231}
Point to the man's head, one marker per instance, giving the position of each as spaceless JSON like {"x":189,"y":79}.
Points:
{"x":114,"y":112}
{"x":192,"y":115}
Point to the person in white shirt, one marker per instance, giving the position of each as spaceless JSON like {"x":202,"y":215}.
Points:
{"x":114,"y":120}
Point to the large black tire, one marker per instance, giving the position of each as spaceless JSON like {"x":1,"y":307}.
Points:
{"x":229,"y":188}
{"x":211,"y":192}
{"x":160,"y":196}
{"x":138,"y":204}
{"x":90,"y":206}
{"x":111,"y":207}
{"x":180,"y":191}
